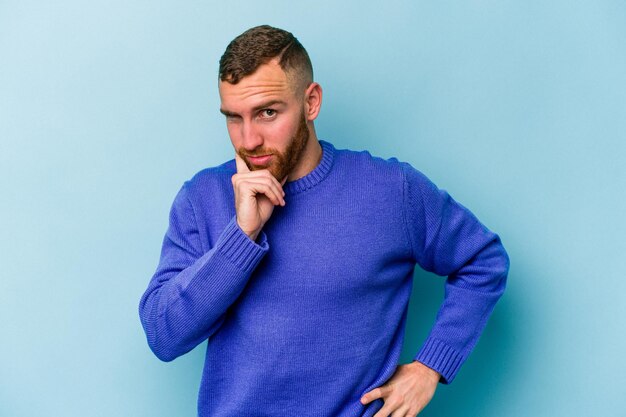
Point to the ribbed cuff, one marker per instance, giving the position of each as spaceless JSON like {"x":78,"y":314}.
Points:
{"x":237,"y":246}
{"x":442,"y":358}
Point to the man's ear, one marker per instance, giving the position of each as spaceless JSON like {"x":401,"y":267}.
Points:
{"x":312,"y":101}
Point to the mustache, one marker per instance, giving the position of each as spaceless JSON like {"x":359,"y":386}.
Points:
{"x":261,"y":152}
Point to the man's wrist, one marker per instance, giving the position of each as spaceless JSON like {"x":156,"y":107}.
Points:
{"x":436,"y":376}
{"x":252,"y":235}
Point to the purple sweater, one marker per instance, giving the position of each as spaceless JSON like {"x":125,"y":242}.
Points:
{"x":311,"y":316}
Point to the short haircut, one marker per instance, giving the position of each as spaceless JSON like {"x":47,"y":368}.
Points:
{"x":259,"y":45}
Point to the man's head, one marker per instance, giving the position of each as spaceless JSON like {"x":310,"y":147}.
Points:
{"x":257,"y":46}
{"x":270,"y":100}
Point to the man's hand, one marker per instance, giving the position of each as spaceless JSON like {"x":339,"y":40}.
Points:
{"x":407,"y":392}
{"x":256,"y":194}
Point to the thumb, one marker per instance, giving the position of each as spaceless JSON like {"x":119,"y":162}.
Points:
{"x":241,"y":164}
{"x":284,"y":180}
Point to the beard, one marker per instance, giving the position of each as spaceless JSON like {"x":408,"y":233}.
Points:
{"x":283,"y":163}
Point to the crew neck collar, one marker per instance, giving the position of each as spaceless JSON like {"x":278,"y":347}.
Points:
{"x":317,"y":175}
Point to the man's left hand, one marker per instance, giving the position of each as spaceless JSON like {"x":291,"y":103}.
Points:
{"x":407,"y":392}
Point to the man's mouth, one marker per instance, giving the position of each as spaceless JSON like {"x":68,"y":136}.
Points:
{"x":260,"y":160}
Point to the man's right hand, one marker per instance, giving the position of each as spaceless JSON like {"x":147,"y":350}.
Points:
{"x":256,"y":194}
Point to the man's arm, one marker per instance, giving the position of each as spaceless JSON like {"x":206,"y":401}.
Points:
{"x":189,"y":293}
{"x":447,"y":239}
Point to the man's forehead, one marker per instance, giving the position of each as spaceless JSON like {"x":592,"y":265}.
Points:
{"x":243,"y":90}
{"x":267,"y":82}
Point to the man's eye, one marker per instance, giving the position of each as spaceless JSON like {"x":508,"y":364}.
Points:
{"x":268,"y":113}
{"x":232,"y":117}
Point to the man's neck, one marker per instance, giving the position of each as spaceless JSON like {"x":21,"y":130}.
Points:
{"x":310,"y":159}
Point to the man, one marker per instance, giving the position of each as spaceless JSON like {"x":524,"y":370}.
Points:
{"x":295,"y":260}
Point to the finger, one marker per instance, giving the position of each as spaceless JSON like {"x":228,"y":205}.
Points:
{"x":372,"y":395}
{"x":254,"y":187}
{"x":250,"y":187}
{"x":385,"y":411}
{"x":264,"y":188}
{"x":241,"y":164}
{"x":270,"y":181}
{"x":265,"y":173}
{"x":402,"y":411}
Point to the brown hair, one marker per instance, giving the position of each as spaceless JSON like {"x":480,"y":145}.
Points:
{"x":257,"y":46}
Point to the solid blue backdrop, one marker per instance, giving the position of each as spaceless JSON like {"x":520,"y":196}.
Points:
{"x":517,"y":109}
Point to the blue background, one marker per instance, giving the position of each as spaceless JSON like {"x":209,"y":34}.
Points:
{"x":517,"y":109}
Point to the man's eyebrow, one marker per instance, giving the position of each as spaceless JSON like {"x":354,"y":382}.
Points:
{"x":227,"y":113}
{"x":255,"y":108}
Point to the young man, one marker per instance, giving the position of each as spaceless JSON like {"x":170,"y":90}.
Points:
{"x":295,"y":260}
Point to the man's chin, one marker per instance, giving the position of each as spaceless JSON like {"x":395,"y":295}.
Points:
{"x":276,"y":174}
{"x":271,"y":168}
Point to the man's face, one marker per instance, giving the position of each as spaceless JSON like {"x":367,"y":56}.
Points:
{"x":265,"y":116}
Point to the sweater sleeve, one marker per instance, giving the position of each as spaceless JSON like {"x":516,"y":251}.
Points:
{"x":188,"y":295}
{"x":447,"y":239}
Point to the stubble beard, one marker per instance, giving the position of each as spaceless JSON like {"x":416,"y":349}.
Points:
{"x":284,"y":163}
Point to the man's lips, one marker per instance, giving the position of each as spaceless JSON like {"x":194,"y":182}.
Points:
{"x":260,"y":160}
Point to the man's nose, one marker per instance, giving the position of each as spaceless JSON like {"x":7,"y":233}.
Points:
{"x":251,"y":137}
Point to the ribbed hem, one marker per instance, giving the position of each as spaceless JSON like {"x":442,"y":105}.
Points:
{"x":237,"y":246}
{"x":317,"y":175}
{"x":442,"y":358}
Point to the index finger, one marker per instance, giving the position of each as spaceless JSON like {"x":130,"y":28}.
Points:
{"x":241,"y":164}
